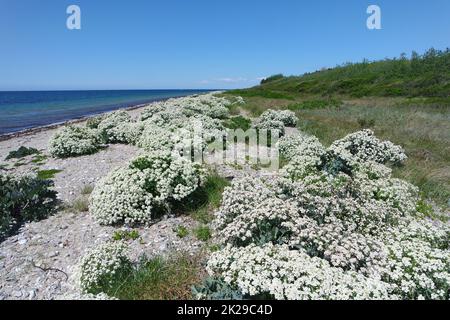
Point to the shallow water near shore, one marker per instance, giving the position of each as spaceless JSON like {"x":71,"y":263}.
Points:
{"x":21,"y":110}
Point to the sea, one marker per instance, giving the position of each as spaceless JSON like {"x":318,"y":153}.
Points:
{"x":22,"y":110}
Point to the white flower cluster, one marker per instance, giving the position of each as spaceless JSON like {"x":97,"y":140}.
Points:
{"x":207,"y":104}
{"x":155,"y":138}
{"x":119,"y":128}
{"x":354,"y":228}
{"x":151,"y":183}
{"x":287,"y":117}
{"x":99,"y":266}
{"x":364,"y":146}
{"x":300,"y":145}
{"x":291,"y":274}
{"x":167,"y":125}
{"x":75,"y":141}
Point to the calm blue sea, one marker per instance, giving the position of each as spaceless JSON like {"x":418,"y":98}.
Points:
{"x":30,"y":109}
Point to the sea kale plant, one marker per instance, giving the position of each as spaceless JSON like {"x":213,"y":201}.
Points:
{"x":24,"y":199}
{"x":72,"y":141}
{"x":334,"y":224}
{"x":118,"y":127}
{"x":287,"y":117}
{"x":102,"y":266}
{"x":148,"y":186}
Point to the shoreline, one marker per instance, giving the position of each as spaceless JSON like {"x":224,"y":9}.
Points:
{"x":31,"y":131}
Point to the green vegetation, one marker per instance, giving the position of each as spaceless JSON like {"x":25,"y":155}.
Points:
{"x":125,"y":235}
{"x":204,"y":200}
{"x":80,"y":204}
{"x":22,"y":152}
{"x":238,"y":122}
{"x":203,"y":233}
{"x":47,"y":174}
{"x":263,"y":93}
{"x":158,"y":279}
{"x":39,"y":159}
{"x":87,"y":189}
{"x":24,"y":199}
{"x":329,"y":106}
{"x":424,"y":75}
{"x":181,"y":231}
{"x":315,"y":104}
{"x":272,"y":78}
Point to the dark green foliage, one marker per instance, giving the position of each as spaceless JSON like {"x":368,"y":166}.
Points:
{"x":22,"y":152}
{"x":238,"y":122}
{"x":24,"y":199}
{"x":47,"y":174}
{"x":272,"y":78}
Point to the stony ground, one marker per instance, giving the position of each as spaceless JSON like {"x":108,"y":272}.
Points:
{"x":38,"y":262}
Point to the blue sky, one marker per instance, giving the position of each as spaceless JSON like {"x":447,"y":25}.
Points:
{"x":201,"y":43}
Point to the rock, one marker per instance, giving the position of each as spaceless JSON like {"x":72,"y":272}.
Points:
{"x":22,"y":241}
{"x":31,"y":294}
{"x":53,"y":254}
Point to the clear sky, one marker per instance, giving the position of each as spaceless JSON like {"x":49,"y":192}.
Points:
{"x":146,"y":44}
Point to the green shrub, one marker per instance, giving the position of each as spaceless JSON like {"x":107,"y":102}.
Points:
{"x":22,"y":152}
{"x":272,"y":78}
{"x":22,"y":200}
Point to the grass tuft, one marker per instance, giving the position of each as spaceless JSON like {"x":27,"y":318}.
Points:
{"x":47,"y":174}
{"x":159,"y":278}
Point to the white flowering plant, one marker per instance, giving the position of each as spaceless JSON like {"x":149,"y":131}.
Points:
{"x":287,"y":117}
{"x":364,"y":146}
{"x":330,"y":228}
{"x":119,"y":128}
{"x":148,"y":186}
{"x":275,"y":271}
{"x":100,"y":267}
{"x":72,"y":141}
